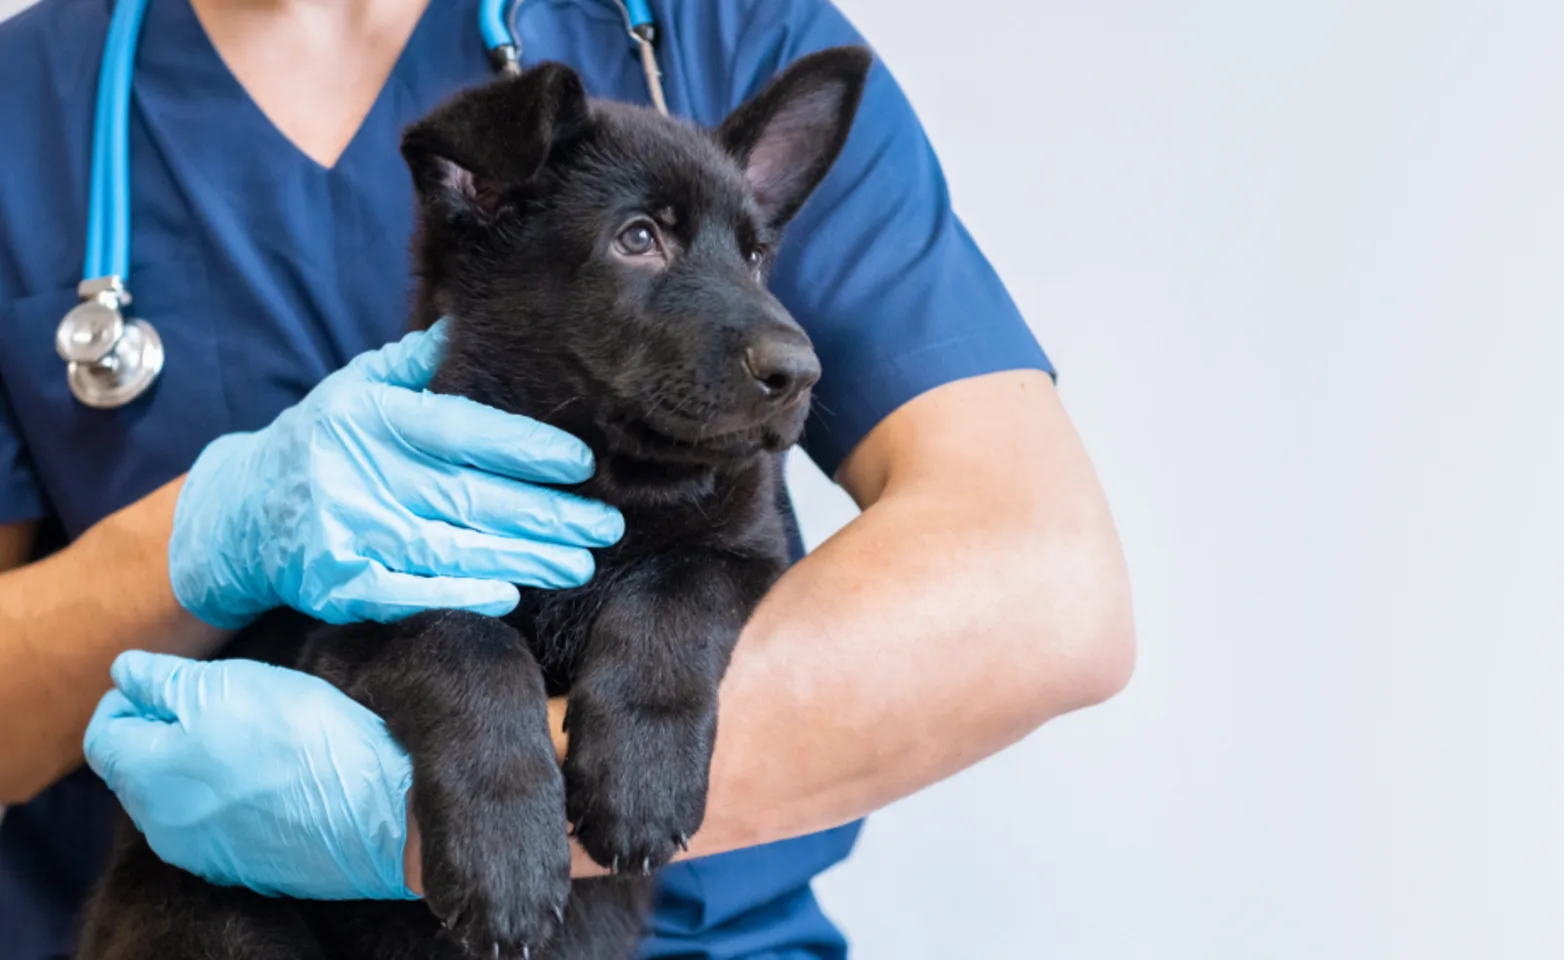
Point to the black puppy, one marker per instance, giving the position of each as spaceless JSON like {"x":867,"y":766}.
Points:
{"x":603,"y":269}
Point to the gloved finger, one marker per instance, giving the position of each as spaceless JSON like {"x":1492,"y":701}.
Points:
{"x":440,"y":550}
{"x":508,"y":508}
{"x":409,"y":362}
{"x":120,"y":732}
{"x":154,"y":682}
{"x":97,"y":741}
{"x":464,"y":432}
{"x":385,"y":595}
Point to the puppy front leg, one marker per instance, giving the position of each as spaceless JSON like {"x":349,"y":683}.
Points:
{"x":465,"y":697}
{"x":642,"y":712}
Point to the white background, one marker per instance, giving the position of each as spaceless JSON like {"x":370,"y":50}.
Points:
{"x":1300,"y":267}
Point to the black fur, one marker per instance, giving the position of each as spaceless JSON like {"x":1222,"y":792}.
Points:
{"x":688,"y":379}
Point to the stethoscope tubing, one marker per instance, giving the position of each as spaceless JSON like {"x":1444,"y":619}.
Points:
{"x":493,"y":23}
{"x":494,"y":19}
{"x":108,"y":202}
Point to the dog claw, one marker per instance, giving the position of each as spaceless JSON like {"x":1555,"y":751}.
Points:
{"x":684,"y":842}
{"x":526,"y":952}
{"x":614,"y":867}
{"x":646,"y":866}
{"x":559,"y":914}
{"x":496,"y":950}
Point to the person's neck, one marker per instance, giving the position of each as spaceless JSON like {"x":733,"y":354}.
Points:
{"x":314,"y":67}
{"x":351,"y":7}
{"x":359,"y":16}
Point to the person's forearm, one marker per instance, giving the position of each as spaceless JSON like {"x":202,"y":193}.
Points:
{"x":981,"y":593}
{"x":63,"y":620}
{"x":869,"y":673}
{"x":923,"y":637}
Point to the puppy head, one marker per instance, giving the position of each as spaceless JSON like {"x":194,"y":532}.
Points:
{"x":605,"y":267}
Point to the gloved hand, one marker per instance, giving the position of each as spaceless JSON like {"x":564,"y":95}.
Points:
{"x":371,"y":500}
{"x":251,"y":775}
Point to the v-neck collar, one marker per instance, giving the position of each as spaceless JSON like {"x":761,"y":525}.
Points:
{"x":184,"y":46}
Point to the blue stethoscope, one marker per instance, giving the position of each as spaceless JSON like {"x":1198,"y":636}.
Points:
{"x":112,"y":359}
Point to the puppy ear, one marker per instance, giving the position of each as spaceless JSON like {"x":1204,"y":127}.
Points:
{"x":477,"y":148}
{"x":787,"y":136}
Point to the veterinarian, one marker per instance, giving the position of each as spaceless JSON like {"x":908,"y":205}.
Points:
{"x":284,"y":454}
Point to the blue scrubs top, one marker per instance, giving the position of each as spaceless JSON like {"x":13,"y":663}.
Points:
{"x":264,"y":272}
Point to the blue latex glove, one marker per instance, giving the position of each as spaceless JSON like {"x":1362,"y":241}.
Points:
{"x":251,"y":775}
{"x":373,"y":499}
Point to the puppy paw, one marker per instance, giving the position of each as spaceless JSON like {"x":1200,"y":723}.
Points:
{"x":635,"y":785}
{"x":496,"y":858}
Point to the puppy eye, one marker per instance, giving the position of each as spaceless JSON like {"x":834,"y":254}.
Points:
{"x":638,"y":239}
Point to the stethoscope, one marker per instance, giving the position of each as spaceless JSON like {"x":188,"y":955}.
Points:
{"x":112,"y":359}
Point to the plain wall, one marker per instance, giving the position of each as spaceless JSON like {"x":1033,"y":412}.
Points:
{"x":1300,"y":268}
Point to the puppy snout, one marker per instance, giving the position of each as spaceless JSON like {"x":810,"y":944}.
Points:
{"x":781,"y":366}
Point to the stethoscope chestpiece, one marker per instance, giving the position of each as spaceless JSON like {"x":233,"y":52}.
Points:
{"x":110,"y":360}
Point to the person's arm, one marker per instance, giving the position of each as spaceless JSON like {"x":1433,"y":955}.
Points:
{"x":65,"y":618}
{"x":982,"y":591}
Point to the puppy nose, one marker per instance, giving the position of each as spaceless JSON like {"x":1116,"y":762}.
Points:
{"x":783,"y":368}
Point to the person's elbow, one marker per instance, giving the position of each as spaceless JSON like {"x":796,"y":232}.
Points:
{"x":1105,"y":647}
{"x":1080,"y":622}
